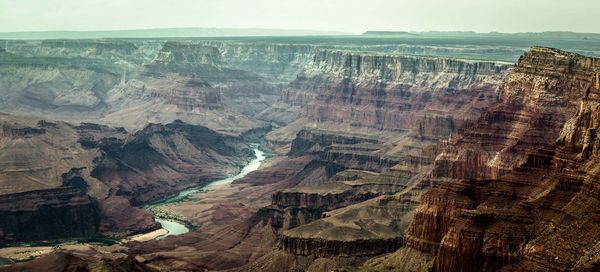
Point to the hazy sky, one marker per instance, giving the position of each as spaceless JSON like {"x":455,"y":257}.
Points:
{"x":343,"y":15}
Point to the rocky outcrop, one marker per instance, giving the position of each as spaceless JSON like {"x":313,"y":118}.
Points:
{"x":320,"y":188}
{"x":358,"y":151}
{"x":291,"y":208}
{"x":278,"y":63}
{"x":111,"y":170}
{"x":53,"y":85}
{"x":512,"y":183}
{"x":15,"y":131}
{"x":328,"y":201}
{"x":47,"y":214}
{"x":189,"y":81}
{"x":313,"y":141}
{"x":331,"y":248}
{"x":392,"y":92}
{"x":88,"y":260}
{"x":163,"y":159}
{"x":185,"y":58}
{"x":365,"y":229}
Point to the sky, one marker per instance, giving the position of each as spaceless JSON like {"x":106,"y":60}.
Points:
{"x":353,"y":16}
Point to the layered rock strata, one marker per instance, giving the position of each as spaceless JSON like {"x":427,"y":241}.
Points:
{"x":520,"y":178}
{"x":162,"y":159}
{"x":392,"y":92}
{"x":439,"y":97}
{"x":91,"y":176}
{"x":47,"y":214}
{"x":507,"y":188}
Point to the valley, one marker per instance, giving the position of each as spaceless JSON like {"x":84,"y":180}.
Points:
{"x":429,"y":151}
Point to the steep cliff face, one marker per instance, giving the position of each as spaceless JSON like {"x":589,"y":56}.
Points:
{"x":391,"y":92}
{"x":124,"y":54}
{"x":43,"y":163}
{"x":160,"y":160}
{"x":191,"y":82}
{"x":276,"y":63}
{"x":380,"y":117}
{"x":512,"y":189}
{"x":313,"y":141}
{"x":55,"y":86}
{"x":186,"y":58}
{"x":520,"y":176}
{"x":47,"y":214}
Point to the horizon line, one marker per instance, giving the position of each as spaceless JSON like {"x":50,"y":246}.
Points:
{"x":296,"y":30}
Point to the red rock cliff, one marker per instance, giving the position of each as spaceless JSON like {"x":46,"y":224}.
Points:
{"x":518,"y":188}
{"x":391,"y":92}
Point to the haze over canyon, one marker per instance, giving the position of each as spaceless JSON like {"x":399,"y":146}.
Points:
{"x":204,"y":149}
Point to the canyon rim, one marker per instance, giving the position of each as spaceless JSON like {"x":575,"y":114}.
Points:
{"x":258,"y":146}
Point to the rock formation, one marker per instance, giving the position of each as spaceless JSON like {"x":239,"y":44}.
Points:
{"x":162,"y":159}
{"x":90,"y":176}
{"x":391,"y":92}
{"x":81,"y":261}
{"x":343,"y":204}
{"x":512,"y":189}
{"x":380,"y":161}
{"x":47,"y":214}
{"x":509,"y":181}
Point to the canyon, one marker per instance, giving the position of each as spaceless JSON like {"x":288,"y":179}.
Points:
{"x":383,"y":152}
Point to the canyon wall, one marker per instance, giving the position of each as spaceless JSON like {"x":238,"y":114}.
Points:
{"x":518,"y":181}
{"x":277,"y":63}
{"x":47,"y":214}
{"x":390,"y":92}
{"x":130,"y":83}
{"x":92,"y":176}
{"x":189,"y":81}
{"x":512,"y":187}
{"x":381,"y":118}
{"x":386,"y":161}
{"x":433,"y":96}
{"x":162,"y":159}
{"x":53,"y":86}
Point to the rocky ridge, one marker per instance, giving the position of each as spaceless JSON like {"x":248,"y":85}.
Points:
{"x":515,"y":177}
{"x":93,"y":175}
{"x":439,"y":164}
{"x":353,"y":211}
{"x":46,"y":215}
{"x":506,"y":188}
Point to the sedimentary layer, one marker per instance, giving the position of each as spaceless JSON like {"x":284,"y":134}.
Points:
{"x":518,"y":180}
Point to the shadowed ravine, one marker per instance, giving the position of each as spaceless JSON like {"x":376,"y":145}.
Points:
{"x":386,"y":152}
{"x":176,"y":227}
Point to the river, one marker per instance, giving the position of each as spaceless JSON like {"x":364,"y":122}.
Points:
{"x":26,"y":251}
{"x":173,"y":226}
